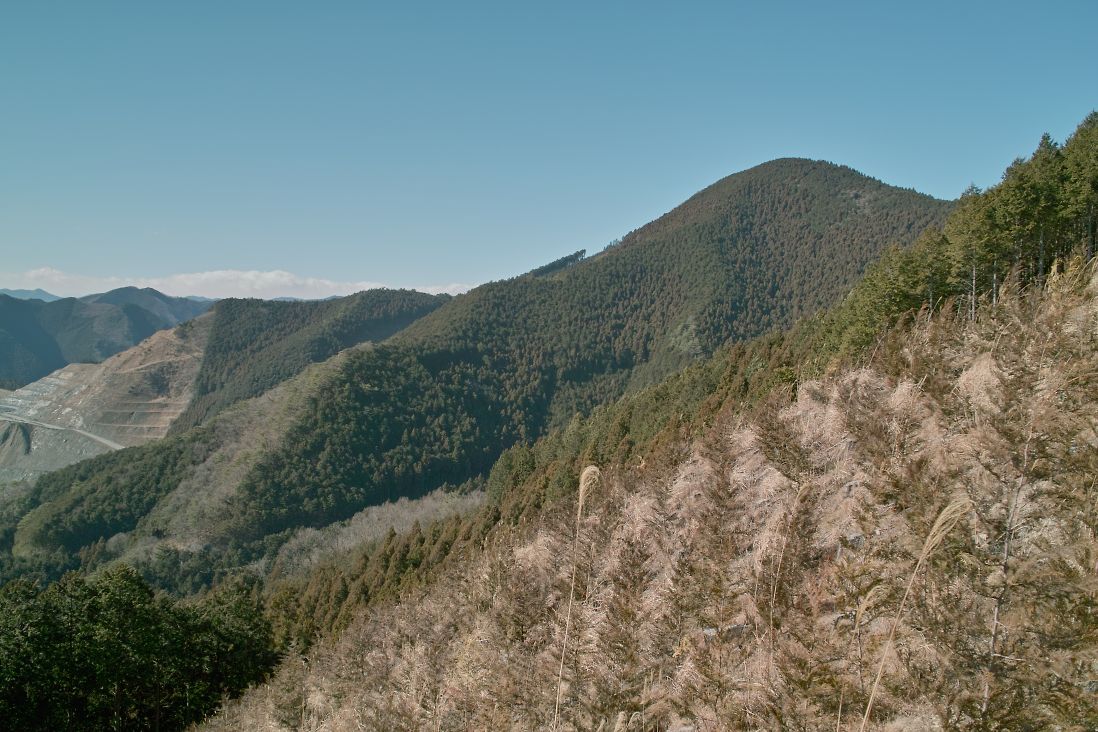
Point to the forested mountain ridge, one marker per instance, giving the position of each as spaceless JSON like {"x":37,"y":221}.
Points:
{"x":755,"y":251}
{"x":35,"y":294}
{"x":511,"y":359}
{"x":171,"y":310}
{"x":180,"y":376}
{"x":438,"y":402}
{"x":37,"y":337}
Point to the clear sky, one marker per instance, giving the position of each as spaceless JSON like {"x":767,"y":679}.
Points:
{"x":306,"y":148}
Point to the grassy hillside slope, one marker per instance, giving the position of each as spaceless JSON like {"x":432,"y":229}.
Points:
{"x":927,"y":517}
{"x":883,"y":518}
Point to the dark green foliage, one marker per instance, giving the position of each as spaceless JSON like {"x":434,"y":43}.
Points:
{"x":38,"y":337}
{"x":513,"y":467}
{"x":558,"y":264}
{"x":257,"y":344}
{"x":423,"y":425}
{"x":98,"y":498}
{"x":109,"y":654}
{"x":63,"y":521}
{"x":1042,"y":212}
{"x":511,"y":360}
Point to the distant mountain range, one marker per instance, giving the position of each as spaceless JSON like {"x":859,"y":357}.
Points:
{"x":40,"y":294}
{"x":36,"y":294}
{"x":39,"y":336}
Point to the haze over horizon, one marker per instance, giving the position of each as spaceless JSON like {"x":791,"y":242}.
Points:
{"x":264,"y":284}
{"x":271,"y":150}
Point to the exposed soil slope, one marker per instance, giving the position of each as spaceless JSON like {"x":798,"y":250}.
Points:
{"x":129,"y":399}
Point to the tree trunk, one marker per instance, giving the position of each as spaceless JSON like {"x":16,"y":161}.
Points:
{"x":1041,"y":255}
{"x":1091,"y":232}
{"x":995,"y":283}
{"x":972,"y":298}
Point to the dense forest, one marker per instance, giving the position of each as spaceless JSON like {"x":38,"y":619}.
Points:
{"x":38,"y":337}
{"x":518,"y":385}
{"x":513,"y":359}
{"x":256,"y":344}
{"x":73,"y":511}
{"x":108,"y":653}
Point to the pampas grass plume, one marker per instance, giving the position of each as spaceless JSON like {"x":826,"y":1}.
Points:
{"x":945,"y":522}
{"x":589,"y":478}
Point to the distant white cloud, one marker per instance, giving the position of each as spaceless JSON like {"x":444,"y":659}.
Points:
{"x":216,"y":283}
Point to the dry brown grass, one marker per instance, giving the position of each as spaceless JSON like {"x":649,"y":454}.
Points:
{"x":671,"y":588}
{"x":589,"y":479}
{"x":947,"y":519}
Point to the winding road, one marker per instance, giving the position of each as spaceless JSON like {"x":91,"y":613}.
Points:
{"x":13,"y":417}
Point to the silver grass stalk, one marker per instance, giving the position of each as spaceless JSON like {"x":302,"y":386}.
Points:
{"x":589,"y":478}
{"x":945,"y":522}
{"x":781,"y":556}
{"x":868,"y":600}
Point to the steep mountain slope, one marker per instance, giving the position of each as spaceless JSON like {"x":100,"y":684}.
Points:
{"x":764,"y":572}
{"x":509,"y":360}
{"x":162,"y":504}
{"x":37,"y":338}
{"x":176,"y":489}
{"x":753,"y":252}
{"x":436,"y":404}
{"x":241,"y":349}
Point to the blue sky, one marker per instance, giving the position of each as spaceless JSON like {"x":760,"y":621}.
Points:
{"x":268,"y":148}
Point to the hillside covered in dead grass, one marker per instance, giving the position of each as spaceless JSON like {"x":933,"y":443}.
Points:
{"x":753,"y":578}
